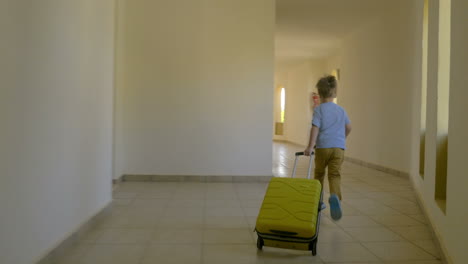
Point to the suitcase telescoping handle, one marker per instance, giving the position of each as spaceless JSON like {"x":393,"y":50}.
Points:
{"x":295,"y":164}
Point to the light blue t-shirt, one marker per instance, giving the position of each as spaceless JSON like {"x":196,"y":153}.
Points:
{"x":331,"y":120}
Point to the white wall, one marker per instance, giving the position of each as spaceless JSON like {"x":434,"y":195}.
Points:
{"x":299,"y":82}
{"x":56,"y":111}
{"x":377,"y":68}
{"x":195,"y":94}
{"x":450,"y":226}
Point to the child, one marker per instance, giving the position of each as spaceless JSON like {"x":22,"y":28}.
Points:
{"x":330,"y":127}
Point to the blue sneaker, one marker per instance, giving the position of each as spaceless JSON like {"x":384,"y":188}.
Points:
{"x":335,"y":207}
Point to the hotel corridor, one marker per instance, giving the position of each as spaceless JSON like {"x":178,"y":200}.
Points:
{"x":212,"y":223}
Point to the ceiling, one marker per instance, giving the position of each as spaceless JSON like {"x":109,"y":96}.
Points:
{"x":312,"y":29}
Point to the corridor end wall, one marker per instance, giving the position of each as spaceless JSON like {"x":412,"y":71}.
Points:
{"x":195,"y":87}
{"x":299,"y":81}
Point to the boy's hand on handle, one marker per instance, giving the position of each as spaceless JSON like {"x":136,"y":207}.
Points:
{"x":312,"y":140}
{"x":308,"y":151}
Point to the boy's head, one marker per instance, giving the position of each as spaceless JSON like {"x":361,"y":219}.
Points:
{"x":327,"y":86}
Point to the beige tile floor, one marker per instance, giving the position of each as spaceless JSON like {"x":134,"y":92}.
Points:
{"x":212,"y":223}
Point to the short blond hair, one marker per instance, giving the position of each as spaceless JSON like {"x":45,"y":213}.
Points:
{"x":326,"y":86}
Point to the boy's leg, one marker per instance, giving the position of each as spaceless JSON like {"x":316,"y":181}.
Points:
{"x":321,"y":160}
{"x":334,"y":171}
{"x":334,"y":178}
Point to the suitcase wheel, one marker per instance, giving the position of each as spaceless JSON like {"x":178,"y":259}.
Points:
{"x":313,"y":247}
{"x":259,"y":243}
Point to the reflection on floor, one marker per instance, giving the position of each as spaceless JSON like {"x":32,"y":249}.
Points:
{"x":212,"y":223}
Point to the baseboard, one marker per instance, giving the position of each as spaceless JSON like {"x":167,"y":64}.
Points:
{"x":433,"y":229}
{"x":378,"y":167}
{"x":194,"y":178}
{"x":361,"y":162}
{"x":302,"y":146}
{"x":279,"y":138}
{"x":116,"y":183}
{"x":72,"y":240}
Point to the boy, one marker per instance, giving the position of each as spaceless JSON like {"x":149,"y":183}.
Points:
{"x":330,"y":128}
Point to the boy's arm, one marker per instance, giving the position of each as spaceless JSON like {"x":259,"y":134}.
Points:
{"x":348,"y":129}
{"x":312,"y":140}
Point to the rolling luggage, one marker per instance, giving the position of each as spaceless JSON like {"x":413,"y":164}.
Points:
{"x":290,"y":213}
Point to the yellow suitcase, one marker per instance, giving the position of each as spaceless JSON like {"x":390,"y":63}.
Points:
{"x":290,"y":213}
